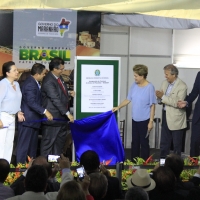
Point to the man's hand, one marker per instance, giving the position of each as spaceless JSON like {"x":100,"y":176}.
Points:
{"x":20,"y":116}
{"x":71,"y":118}
{"x":104,"y":170}
{"x":48,"y":115}
{"x":1,"y":124}
{"x":30,"y":163}
{"x":150,"y":126}
{"x":156,"y":166}
{"x":55,"y":169}
{"x":159,"y":94}
{"x":72,"y":93}
{"x":64,"y":162}
{"x":114,"y":109}
{"x":181,"y":104}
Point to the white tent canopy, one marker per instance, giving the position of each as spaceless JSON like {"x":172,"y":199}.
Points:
{"x":188,"y":9}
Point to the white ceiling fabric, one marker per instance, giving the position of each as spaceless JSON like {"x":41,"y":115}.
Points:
{"x":138,"y":20}
{"x":186,"y":9}
{"x":189,"y":9}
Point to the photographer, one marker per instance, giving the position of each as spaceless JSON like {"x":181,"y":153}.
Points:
{"x":67,"y":177}
{"x":52,"y":185}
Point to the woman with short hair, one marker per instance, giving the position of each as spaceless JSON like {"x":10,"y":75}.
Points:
{"x":10,"y":102}
{"x":143,"y":98}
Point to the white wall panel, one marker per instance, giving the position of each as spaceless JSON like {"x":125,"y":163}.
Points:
{"x":151,"y":41}
{"x":187,"y":41}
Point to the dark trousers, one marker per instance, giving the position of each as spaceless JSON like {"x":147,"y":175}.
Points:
{"x":139,"y":132}
{"x":167,"y":136}
{"x":53,"y":139}
{"x":27,"y":143}
{"x":195,"y":140}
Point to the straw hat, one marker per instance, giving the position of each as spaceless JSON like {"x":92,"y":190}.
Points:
{"x":141,"y":179}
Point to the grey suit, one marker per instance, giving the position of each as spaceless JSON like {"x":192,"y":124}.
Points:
{"x":173,"y":118}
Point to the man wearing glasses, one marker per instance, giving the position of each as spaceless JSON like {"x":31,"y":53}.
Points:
{"x":55,"y":98}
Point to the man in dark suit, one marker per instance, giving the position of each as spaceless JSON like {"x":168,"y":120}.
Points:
{"x":55,"y":97}
{"x":195,"y":137}
{"x":33,"y":111}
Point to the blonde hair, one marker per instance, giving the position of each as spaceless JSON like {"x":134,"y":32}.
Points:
{"x":141,"y":70}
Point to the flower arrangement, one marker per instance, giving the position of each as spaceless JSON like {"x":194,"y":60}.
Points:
{"x":126,"y":173}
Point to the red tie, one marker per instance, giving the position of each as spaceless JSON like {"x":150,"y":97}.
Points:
{"x":62,"y":86}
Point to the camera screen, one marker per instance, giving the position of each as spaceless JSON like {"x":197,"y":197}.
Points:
{"x":80,"y":172}
{"x":53,"y":158}
{"x":162,"y":161}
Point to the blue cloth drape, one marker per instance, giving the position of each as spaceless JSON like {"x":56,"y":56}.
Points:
{"x":101,"y":134}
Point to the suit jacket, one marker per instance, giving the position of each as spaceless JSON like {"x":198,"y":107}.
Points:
{"x":176,"y":117}
{"x":192,"y":96}
{"x":31,"y":104}
{"x":54,"y":99}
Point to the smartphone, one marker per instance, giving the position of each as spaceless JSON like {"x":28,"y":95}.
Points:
{"x":52,"y":158}
{"x":80,"y":171}
{"x":162,"y":161}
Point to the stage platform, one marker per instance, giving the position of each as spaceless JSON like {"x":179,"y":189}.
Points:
{"x":153,"y":151}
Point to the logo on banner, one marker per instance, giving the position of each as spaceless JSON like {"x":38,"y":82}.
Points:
{"x":42,"y":54}
{"x":51,"y":28}
{"x":97,"y":72}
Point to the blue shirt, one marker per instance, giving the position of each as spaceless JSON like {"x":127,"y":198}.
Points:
{"x":10,"y":99}
{"x":142,"y":98}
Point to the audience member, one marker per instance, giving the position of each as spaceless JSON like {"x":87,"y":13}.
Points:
{"x":165,"y":185}
{"x":35,"y":184}
{"x":52,"y":185}
{"x":136,"y":193}
{"x":142,"y":179}
{"x":70,"y":191}
{"x":176,"y":164}
{"x":66,"y":181}
{"x":5,"y":191}
{"x":90,"y":160}
{"x":98,"y":185}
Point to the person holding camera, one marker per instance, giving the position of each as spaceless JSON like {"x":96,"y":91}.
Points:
{"x":91,"y":163}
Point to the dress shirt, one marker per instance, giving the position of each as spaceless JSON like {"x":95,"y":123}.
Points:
{"x":10,"y":99}
{"x":169,"y":89}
